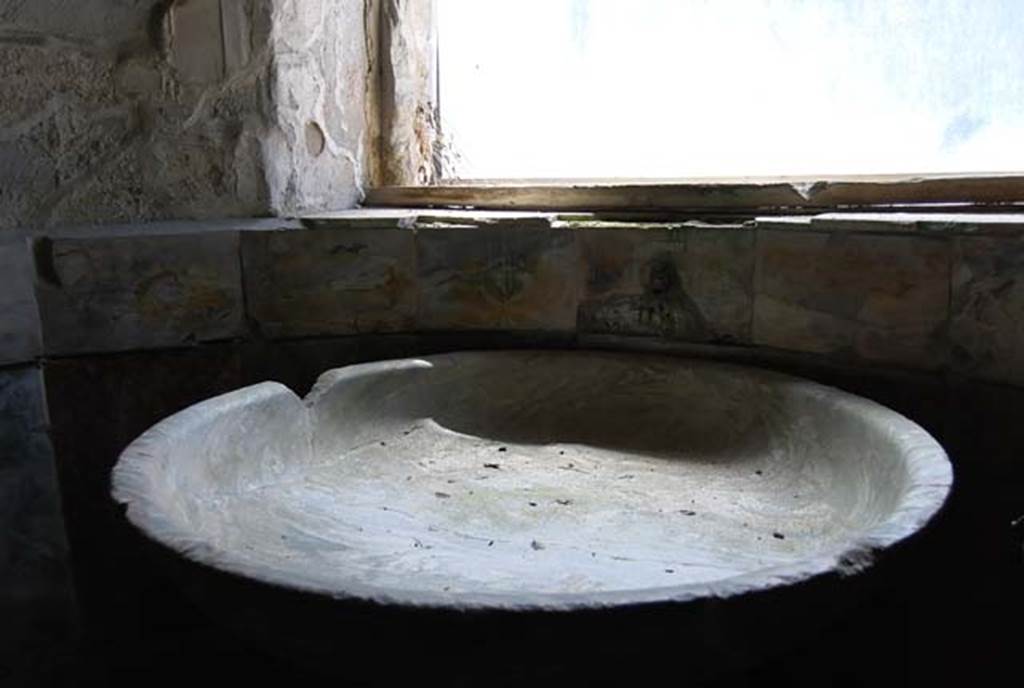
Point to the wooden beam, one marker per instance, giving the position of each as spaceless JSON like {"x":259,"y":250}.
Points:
{"x":714,"y":195}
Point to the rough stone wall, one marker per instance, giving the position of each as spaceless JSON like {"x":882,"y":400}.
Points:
{"x":127,"y":110}
{"x":412,"y":151}
{"x":318,"y":146}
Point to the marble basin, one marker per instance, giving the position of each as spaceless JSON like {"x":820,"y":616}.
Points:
{"x":534,"y":481}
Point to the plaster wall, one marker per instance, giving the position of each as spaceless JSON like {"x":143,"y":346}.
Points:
{"x":124,"y":110}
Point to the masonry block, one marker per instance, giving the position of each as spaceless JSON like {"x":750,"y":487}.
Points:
{"x":331,"y":281}
{"x":680,"y":283}
{"x":19,"y":315}
{"x":120,"y":293}
{"x":490,"y":278}
{"x":873,"y":298}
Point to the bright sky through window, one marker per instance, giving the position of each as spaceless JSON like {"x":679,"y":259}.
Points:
{"x":730,"y":88}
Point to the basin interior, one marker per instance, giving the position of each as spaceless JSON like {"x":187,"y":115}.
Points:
{"x":540,"y":473}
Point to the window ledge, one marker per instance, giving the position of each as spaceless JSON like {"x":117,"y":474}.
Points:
{"x":775,"y":195}
{"x":920,"y":223}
